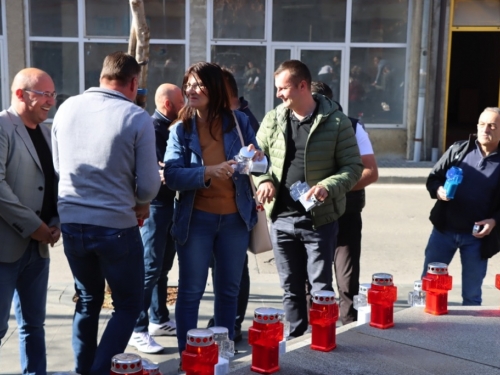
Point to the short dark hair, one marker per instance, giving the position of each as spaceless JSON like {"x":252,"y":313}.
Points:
{"x":298,"y":71}
{"x":120,"y":66}
{"x":211,"y":78}
{"x":231,"y":85}
{"x":320,"y":87}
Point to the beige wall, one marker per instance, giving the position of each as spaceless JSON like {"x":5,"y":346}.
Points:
{"x":16,"y":54}
{"x":388,"y":143}
{"x":197,"y":31}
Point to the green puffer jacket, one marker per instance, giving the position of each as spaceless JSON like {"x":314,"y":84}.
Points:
{"x":331,"y":156}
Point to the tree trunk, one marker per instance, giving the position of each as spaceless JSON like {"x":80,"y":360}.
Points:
{"x":139,"y":46}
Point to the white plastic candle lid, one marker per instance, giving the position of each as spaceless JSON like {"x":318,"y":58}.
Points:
{"x":266,"y":315}
{"x":363,"y":288}
{"x":281,"y":313}
{"x":438,"y":268}
{"x":245,"y":153}
{"x":324,"y":297}
{"x":382,"y":279}
{"x":200,"y":337}
{"x":417,"y":285}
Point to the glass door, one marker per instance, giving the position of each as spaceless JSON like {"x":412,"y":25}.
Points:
{"x":324,"y":64}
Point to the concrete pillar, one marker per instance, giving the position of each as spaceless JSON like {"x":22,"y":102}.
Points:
{"x":198,"y":30}
{"x":16,"y":38}
{"x":414,"y":76}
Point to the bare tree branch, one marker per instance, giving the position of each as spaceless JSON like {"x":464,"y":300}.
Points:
{"x":139,"y":38}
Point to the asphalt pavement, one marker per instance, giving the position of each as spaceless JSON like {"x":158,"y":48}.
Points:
{"x":395,"y":232}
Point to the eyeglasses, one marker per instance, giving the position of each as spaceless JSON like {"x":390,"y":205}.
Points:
{"x":47,"y":94}
{"x":194,"y":86}
{"x":492,"y":125}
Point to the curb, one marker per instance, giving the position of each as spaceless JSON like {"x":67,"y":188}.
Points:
{"x":421,"y":180}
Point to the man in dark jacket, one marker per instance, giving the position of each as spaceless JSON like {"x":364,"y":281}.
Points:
{"x":159,"y":248}
{"x":476,"y":202}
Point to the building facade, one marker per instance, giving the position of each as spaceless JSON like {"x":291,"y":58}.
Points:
{"x":416,"y":71}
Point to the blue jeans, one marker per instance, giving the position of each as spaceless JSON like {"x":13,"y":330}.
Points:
{"x":226,"y":238}
{"x":442,"y":247}
{"x":94,"y":254}
{"x":302,"y":254}
{"x":26,"y":280}
{"x":159,"y":254}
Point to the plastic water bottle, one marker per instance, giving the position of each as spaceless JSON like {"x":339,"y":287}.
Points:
{"x":454,"y":177}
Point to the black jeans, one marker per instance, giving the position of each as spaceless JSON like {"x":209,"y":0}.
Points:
{"x":346,"y":263}
{"x":302,"y":254}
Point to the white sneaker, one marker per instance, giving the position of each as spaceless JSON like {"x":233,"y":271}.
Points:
{"x":166,"y":329}
{"x":143,"y":342}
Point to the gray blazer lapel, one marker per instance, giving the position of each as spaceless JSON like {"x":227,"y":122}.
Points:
{"x":23,"y":134}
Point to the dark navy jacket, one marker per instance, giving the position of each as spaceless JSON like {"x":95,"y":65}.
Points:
{"x":161,"y":124}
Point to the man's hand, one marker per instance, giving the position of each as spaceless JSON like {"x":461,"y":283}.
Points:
{"x":441,"y":194}
{"x":222,"y":171}
{"x":266,"y":191}
{"x":142,"y":211}
{"x":160,"y":171}
{"x":56,"y":233}
{"x":43,"y":234}
{"x":488,"y":225}
{"x":319,"y":192}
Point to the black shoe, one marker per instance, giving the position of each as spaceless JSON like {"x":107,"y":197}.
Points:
{"x":238,"y":336}
{"x":211,"y":323}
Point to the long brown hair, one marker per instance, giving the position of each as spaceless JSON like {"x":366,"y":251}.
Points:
{"x":212,"y":79}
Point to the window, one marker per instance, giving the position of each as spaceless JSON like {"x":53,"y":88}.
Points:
{"x":379,"y":21}
{"x":377,"y":84}
{"x":248,"y":65}
{"x":239,"y":19}
{"x":70,"y":38}
{"x":309,"y":21}
{"x":54,"y":18}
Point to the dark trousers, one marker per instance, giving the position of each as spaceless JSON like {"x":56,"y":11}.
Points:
{"x":302,"y":254}
{"x":346,"y":263}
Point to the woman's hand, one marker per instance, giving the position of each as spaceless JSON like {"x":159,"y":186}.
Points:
{"x":259,"y":155}
{"x":222,"y":171}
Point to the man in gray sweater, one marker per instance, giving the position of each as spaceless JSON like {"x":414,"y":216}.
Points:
{"x":104,"y":154}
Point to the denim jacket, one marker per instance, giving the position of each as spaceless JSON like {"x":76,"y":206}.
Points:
{"x":184,"y":172}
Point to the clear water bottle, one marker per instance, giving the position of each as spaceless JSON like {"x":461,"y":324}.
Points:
{"x":417,"y":296}
{"x":454,"y":177}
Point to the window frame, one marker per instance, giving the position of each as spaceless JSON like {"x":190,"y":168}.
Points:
{"x":81,"y":39}
{"x":4,"y":60}
{"x":295,"y":47}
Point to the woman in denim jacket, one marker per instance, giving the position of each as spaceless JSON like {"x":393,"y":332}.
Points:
{"x":215,"y":210}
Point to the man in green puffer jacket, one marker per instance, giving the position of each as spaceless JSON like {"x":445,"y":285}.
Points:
{"x":307,"y":139}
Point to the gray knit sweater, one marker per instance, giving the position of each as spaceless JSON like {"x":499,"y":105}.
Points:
{"x":104,"y":153}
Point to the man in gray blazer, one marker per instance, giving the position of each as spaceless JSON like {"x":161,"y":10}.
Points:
{"x":28,"y":213}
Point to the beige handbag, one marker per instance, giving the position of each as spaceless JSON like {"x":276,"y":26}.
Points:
{"x":260,"y":240}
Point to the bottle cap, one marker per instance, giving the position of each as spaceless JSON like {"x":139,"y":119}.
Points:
{"x":363,"y":288}
{"x":126,"y":363}
{"x":200,"y":337}
{"x":437,"y":268}
{"x":417,"y":285}
{"x":245,"y":153}
{"x":266,"y":315}
{"x":220,"y":333}
{"x":324,"y":297}
{"x":382,"y":279}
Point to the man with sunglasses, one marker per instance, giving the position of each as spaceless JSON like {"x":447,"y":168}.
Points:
{"x":468,"y":221}
{"x":28,"y":213}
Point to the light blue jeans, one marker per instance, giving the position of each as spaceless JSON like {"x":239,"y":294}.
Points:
{"x":442,"y":247}
{"x":226,"y":238}
{"x":94,"y":254}
{"x":26,"y":280}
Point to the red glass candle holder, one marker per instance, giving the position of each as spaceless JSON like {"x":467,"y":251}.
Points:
{"x":201,"y":354}
{"x":381,"y":297}
{"x":264,"y":336}
{"x":437,"y":283}
{"x":323,"y":317}
{"x":126,"y":364}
